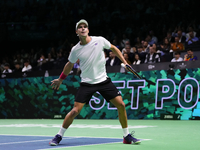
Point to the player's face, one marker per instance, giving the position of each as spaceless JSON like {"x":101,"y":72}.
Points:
{"x":82,"y":30}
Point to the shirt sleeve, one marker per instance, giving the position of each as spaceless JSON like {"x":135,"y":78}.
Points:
{"x":72,"y":56}
{"x":106,"y":43}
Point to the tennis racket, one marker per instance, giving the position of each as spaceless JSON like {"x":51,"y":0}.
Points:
{"x":129,"y":68}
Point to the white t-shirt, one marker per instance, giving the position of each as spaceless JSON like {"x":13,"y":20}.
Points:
{"x":29,"y":67}
{"x":8,"y":71}
{"x":174,"y":59}
{"x":92,"y":59}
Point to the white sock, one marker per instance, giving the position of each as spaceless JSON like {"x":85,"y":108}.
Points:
{"x":125,"y":131}
{"x":62,"y":131}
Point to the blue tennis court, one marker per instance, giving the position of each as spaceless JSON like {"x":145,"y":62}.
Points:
{"x":10,"y":142}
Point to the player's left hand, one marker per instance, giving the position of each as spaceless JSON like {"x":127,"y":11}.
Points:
{"x":56,"y":83}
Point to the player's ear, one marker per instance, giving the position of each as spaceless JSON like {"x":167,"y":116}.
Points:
{"x":76,"y":33}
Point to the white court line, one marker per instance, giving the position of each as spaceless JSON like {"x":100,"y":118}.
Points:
{"x":64,"y":137}
{"x":30,"y":141}
{"x":71,"y":136}
{"x":27,"y":135}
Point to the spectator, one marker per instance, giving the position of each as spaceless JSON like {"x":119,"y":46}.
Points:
{"x":124,"y":49}
{"x":177,"y":46}
{"x":152,"y":56}
{"x":138,"y":42}
{"x":49,"y":63}
{"x":190,"y":29}
{"x":191,"y":39}
{"x":154,"y":38}
{"x":53,"y":53}
{"x":165,"y":50}
{"x":181,"y":37}
{"x":27,"y":66}
{"x":19,"y":60}
{"x":141,"y":53}
{"x":17,"y":67}
{"x":77,"y":64}
{"x":149,"y":39}
{"x":130,"y":53}
{"x":137,"y":60}
{"x":60,"y":61}
{"x":105,"y":53}
{"x":170,"y":37}
{"x":124,"y":40}
{"x":177,"y":57}
{"x":165,"y":46}
{"x":33,"y":57}
{"x":7,"y":68}
{"x":115,"y":42}
{"x":41,"y":60}
{"x":49,"y":59}
{"x":1,"y":67}
{"x":178,"y":29}
{"x":127,"y":58}
{"x":146,"y":46}
{"x":190,"y":56}
{"x":113,"y":60}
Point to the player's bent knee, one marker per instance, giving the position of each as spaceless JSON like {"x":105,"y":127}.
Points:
{"x":74,"y":112}
{"x":121,"y":105}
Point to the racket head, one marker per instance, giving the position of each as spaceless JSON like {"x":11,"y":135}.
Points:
{"x":133,"y":71}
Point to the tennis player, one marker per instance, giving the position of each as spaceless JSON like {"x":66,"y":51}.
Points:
{"x":90,"y":51}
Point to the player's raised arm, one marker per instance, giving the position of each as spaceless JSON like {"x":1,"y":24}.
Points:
{"x":118,"y":53}
{"x":66,"y":70}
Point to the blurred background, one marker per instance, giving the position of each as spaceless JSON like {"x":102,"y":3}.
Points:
{"x":39,"y":31}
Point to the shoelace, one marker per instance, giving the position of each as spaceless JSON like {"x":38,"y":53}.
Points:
{"x":132,"y":133}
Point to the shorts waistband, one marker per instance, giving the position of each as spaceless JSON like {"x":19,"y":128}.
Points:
{"x":101,"y":83}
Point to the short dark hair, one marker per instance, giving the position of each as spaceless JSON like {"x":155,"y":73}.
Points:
{"x":177,"y":53}
{"x":140,"y":46}
{"x":17,"y":63}
{"x":7,"y":65}
{"x":190,"y":49}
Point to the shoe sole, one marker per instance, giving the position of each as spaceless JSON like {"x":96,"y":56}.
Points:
{"x":53,"y":144}
{"x":138,"y":142}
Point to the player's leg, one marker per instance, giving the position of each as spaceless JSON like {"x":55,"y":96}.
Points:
{"x":72,"y":114}
{"x":111,"y":94}
{"x":118,"y":102}
{"x":66,"y":123}
{"x":83,"y":96}
{"x":128,"y":138}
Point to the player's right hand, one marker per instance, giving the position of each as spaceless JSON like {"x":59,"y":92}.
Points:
{"x":56,"y":83}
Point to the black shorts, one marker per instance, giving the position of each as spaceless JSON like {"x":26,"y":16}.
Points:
{"x":106,"y":88}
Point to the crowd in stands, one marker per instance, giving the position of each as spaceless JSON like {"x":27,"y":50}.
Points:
{"x":144,"y":31}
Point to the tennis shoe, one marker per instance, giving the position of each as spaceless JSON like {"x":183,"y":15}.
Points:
{"x":56,"y":140}
{"x":129,"y":139}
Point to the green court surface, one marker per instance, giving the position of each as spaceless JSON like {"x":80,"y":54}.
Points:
{"x":155,"y":134}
